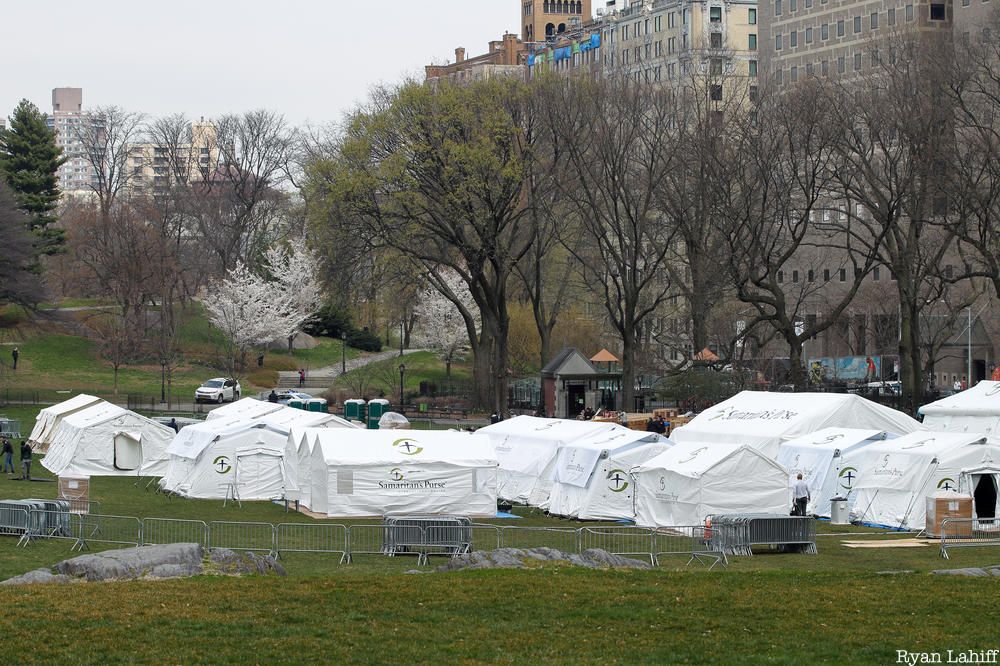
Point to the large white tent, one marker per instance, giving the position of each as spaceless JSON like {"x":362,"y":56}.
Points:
{"x":228,"y":458}
{"x":896,"y":476}
{"x":691,"y":481}
{"x":246,"y":408}
{"x":49,"y":418}
{"x":107,"y":440}
{"x":819,"y":457}
{"x":974,"y":410}
{"x":591,"y":477}
{"x":289,"y":417}
{"x":526,"y":448}
{"x":764,"y":419}
{"x":359,"y":473}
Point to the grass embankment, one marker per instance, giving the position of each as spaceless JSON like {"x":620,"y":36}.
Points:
{"x":420,"y":366}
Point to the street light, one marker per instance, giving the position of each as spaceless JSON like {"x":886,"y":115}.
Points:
{"x":343,"y":352}
{"x":402,"y":371}
{"x":401,"y":337}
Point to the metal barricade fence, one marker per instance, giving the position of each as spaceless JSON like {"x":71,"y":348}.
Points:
{"x":442,"y":535}
{"x":121,"y":530}
{"x":311,"y":538}
{"x":241,"y":536}
{"x":174,"y":530}
{"x":364,"y":540}
{"x":968,"y":532}
{"x":403,"y":539}
{"x":484,"y":537}
{"x":566,"y":539}
{"x":15,"y":518}
{"x":626,"y":541}
{"x":53,"y":524}
{"x":736,"y":534}
{"x":692,"y":541}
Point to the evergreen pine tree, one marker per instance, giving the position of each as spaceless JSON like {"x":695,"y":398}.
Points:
{"x":29,"y":161}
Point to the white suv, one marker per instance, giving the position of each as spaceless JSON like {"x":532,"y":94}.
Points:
{"x":218,"y":390}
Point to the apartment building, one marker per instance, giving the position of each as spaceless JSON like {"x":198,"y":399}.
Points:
{"x":542,"y":20}
{"x":66,"y":121}
{"x":506,"y":57}
{"x":156,"y":167}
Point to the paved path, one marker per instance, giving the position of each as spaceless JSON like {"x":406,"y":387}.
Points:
{"x":323,"y":378}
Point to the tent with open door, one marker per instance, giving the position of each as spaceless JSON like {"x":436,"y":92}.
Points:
{"x":363,"y":473}
{"x":896,"y":476}
{"x":691,"y":481}
{"x":975,"y":410}
{"x":591,"y":476}
{"x":233,"y":458}
{"x":983,"y":484}
{"x":246,"y":408}
{"x":764,"y":420}
{"x":49,"y":418}
{"x":107,"y":440}
{"x":526,"y":448}
{"x":819,"y":457}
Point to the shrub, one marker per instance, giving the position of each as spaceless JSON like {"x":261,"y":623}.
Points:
{"x":364,"y":340}
{"x":330,"y":321}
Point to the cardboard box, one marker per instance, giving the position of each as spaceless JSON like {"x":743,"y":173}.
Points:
{"x":949,"y":505}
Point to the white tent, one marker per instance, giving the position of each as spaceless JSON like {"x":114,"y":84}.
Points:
{"x":689,"y":482}
{"x":526,"y":448}
{"x":107,"y":440}
{"x":228,"y":458}
{"x":974,"y":410}
{"x":819,"y":457}
{"x":358,"y":473}
{"x":49,"y":418}
{"x":764,"y":420}
{"x":289,"y":417}
{"x":896,"y":476}
{"x":247,"y":408}
{"x":591,"y":477}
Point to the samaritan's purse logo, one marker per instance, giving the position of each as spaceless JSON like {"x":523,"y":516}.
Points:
{"x":396,"y":474}
{"x":847,"y":476}
{"x":221,"y":465}
{"x":617,"y":480}
{"x":946,"y":484}
{"x":407,"y":446}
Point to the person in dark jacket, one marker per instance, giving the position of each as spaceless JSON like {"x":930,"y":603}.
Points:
{"x":25,"y":460}
{"x":8,"y":456}
{"x":173,"y":424}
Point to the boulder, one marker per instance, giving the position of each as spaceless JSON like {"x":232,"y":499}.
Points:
{"x":132,"y":563}
{"x":516,"y":558}
{"x":232,"y":563}
{"x":37,"y":576}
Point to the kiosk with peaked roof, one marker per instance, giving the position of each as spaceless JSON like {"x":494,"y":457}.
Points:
{"x":49,"y":418}
{"x":570,"y":382}
{"x":819,"y":457}
{"x":689,"y":482}
{"x":362,"y":473}
{"x":896,"y":476}
{"x":764,"y":420}
{"x":108,"y":440}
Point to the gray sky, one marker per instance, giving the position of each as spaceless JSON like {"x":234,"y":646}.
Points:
{"x":308,"y":59}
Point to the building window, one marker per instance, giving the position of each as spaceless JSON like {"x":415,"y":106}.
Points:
{"x":811,"y":275}
{"x":892,"y":16}
{"x":778,"y":77}
{"x":809,"y":72}
{"x":875,"y":274}
{"x":753,"y":42}
{"x":777,"y":42}
{"x":840,"y":28}
{"x":752,"y":68}
{"x":825,"y":68}
{"x":843,"y":275}
{"x":753,"y":93}
{"x":793,"y":5}
{"x":752,"y":16}
{"x":809,"y":35}
{"x":937,"y":12}
{"x":715,"y":40}
{"x":795,"y":276}
{"x":793,"y":39}
{"x":777,"y":7}
{"x":857,"y":62}
{"x":857,"y":24}
{"x":715,"y":67}
{"x":715,"y":14}
{"x":949,"y":271}
{"x":795,"y":74}
{"x":909,"y":13}
{"x":716,"y":93}
{"x":781,"y":277}
{"x":873,"y":22}
{"x":826,"y":275}
{"x":841,"y":65}
{"x":824,"y":32}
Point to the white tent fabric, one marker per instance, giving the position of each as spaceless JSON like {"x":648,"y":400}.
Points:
{"x":896,"y":476}
{"x":974,"y":410}
{"x":247,"y":408}
{"x":107,"y":440}
{"x":819,"y":457}
{"x":359,"y":473}
{"x":591,"y":477}
{"x":526,"y":448}
{"x":289,"y":417}
{"x":763,"y":419}
{"x":691,"y":481}
{"x":393,"y":421}
{"x":49,"y":418}
{"x":232,"y":458}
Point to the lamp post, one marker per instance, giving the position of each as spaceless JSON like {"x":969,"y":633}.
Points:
{"x":968,"y":374}
{"x":402,"y":372}
{"x":343,"y":352}
{"x":401,"y":338}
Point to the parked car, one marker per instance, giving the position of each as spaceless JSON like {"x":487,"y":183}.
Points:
{"x":285,"y":396}
{"x":218,"y":390}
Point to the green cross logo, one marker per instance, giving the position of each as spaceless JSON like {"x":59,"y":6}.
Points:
{"x":221,"y":465}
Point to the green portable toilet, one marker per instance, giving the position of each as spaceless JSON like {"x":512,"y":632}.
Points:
{"x":316,"y":405}
{"x":376,"y":408}
{"x":295,"y":403}
{"x":354,"y":410}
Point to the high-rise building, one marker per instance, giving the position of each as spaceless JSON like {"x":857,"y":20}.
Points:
{"x":544,"y":19}
{"x":67,"y":120}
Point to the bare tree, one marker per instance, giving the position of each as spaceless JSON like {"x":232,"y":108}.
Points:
{"x":108,"y":135}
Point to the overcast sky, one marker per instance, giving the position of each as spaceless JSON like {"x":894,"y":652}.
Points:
{"x":308,"y":59}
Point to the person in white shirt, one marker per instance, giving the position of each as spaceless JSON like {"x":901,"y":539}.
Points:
{"x":800,"y":495}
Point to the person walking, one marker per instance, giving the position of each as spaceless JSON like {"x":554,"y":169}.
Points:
{"x":25,"y":461}
{"x":8,"y":456}
{"x":173,"y":424}
{"x":801,"y":495}
{"x":15,"y":355}
{"x":302,"y":377}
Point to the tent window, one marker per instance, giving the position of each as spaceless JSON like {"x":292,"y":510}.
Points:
{"x":345,"y":482}
{"x":128,"y":452}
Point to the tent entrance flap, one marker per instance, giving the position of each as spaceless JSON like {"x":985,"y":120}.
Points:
{"x":128,"y":451}
{"x":260,"y":475}
{"x":984,"y":497}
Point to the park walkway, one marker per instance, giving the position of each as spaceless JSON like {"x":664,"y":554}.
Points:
{"x":323,"y":378}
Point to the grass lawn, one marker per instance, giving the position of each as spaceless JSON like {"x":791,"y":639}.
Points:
{"x":420,"y":366}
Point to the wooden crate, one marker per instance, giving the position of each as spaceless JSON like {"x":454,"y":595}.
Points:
{"x":76,"y":491}
{"x":941,"y":508}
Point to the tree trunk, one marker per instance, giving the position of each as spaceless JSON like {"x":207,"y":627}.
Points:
{"x":628,"y":368}
{"x":481,"y":366}
{"x":796,"y":372}
{"x":500,"y":378}
{"x":290,"y":338}
{"x":911,"y":384}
